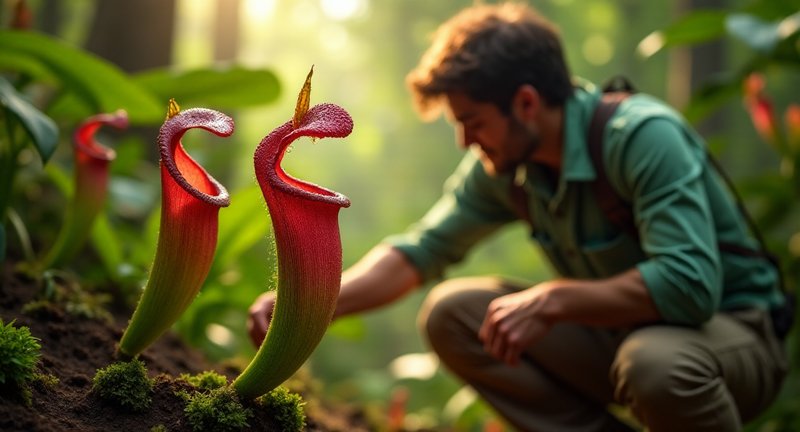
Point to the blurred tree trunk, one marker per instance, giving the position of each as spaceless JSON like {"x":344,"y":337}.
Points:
{"x":50,"y":17}
{"x":691,"y":67}
{"x":134,"y":35}
{"x":226,"y":30}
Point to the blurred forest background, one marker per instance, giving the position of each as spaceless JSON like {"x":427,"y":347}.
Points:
{"x":688,"y":52}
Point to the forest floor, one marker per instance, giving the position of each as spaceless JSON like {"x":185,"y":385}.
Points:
{"x":73,"y":348}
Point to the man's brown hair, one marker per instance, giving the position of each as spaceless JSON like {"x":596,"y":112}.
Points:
{"x":488,"y":51}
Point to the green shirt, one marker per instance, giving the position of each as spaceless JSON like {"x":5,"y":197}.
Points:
{"x":656,"y":162}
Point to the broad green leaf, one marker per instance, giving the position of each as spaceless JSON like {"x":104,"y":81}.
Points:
{"x":711,"y":97}
{"x":244,"y":223}
{"x":351,"y":328}
{"x":695,"y":28}
{"x":41,"y":129}
{"x":233,"y":87}
{"x":761,"y":35}
{"x":107,"y":245}
{"x":99,"y":84}
{"x":60,"y":178}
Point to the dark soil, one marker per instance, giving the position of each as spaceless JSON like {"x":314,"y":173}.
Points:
{"x":73,"y":348}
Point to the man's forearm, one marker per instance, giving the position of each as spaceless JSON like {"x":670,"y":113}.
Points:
{"x":380,"y":277}
{"x":619,"y":301}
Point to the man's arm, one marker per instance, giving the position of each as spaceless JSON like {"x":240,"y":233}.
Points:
{"x":380,"y":277}
{"x":515,"y":321}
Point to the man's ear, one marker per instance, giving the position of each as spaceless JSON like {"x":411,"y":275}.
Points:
{"x":526,"y":103}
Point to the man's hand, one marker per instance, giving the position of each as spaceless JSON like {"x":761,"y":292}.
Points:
{"x":260,"y":315}
{"x":513,"y":322}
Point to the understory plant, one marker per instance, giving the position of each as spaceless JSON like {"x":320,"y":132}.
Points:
{"x":309,"y":250}
{"x":23,"y":123}
{"x":19,"y":355}
{"x":187,"y":239}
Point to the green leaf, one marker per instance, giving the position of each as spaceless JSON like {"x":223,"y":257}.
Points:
{"x":711,"y":97}
{"x":761,"y":35}
{"x":107,"y":244}
{"x":352,"y":328}
{"x":41,"y":129}
{"x":244,"y":223}
{"x":695,"y":28}
{"x":232,"y":87}
{"x":97,"y":83}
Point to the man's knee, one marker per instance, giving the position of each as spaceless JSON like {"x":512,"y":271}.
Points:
{"x":453,"y":311}
{"x":656,"y":373}
{"x":438,"y":310}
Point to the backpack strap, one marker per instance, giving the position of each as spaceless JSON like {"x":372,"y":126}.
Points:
{"x":618,"y":211}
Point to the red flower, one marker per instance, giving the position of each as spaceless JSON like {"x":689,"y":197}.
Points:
{"x":760,"y":108}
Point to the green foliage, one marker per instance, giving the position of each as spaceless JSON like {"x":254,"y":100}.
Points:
{"x":216,"y":410}
{"x":770,"y":31}
{"x":207,"y":380}
{"x":42,"y":131}
{"x":96,"y":84}
{"x":159,"y":428}
{"x":124,"y":384}
{"x":223,"y":88}
{"x":287,"y":407}
{"x":19,"y":354}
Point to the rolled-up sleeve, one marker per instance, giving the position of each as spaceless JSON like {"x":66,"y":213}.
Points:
{"x":470,"y":209}
{"x":662,"y":172}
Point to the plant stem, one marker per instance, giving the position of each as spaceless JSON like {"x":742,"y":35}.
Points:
{"x":22,"y":234}
{"x":8,"y":165}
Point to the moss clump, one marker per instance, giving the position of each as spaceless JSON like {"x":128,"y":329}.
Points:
{"x":215,"y":410}
{"x":19,"y":354}
{"x":124,"y":384}
{"x":287,"y":408}
{"x":207,"y":380}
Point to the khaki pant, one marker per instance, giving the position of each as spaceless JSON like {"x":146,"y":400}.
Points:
{"x":672,"y":378}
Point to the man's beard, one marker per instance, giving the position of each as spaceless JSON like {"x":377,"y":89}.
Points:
{"x":516,"y":132}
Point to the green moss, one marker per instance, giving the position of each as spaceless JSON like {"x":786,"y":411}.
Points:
{"x":19,"y":354}
{"x":124,"y":384}
{"x":287,"y":408}
{"x":207,"y":380}
{"x":46,"y":380}
{"x":215,"y":410}
{"x":158,"y":428}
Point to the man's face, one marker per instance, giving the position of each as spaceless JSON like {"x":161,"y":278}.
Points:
{"x":501,"y":142}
